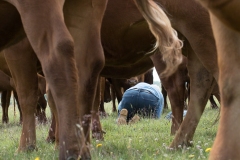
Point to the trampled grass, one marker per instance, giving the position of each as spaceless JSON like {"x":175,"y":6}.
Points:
{"x":147,"y":139}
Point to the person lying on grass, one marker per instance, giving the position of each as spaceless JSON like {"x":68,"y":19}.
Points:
{"x":143,"y":99}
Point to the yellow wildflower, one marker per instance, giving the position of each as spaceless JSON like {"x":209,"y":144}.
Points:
{"x":191,"y":156}
{"x":37,"y":158}
{"x":99,"y":145}
{"x":208,"y":149}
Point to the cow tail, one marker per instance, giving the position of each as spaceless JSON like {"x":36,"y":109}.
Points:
{"x":166,"y":37}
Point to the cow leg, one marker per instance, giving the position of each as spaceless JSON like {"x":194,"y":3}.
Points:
{"x":226,"y":145}
{"x":175,"y":87}
{"x":175,"y":90}
{"x":5,"y":100}
{"x":113,"y":95}
{"x":201,"y":84}
{"x":18,"y":105}
{"x":54,"y":47}
{"x":118,"y":91}
{"x":8,"y":98}
{"x":97,"y":131}
{"x":53,"y":133}
{"x":25,"y":79}
{"x":164,"y":92}
{"x":176,"y":97}
{"x":41,"y":107}
{"x":102,"y":91}
{"x":213,"y":103}
{"x":88,"y":52}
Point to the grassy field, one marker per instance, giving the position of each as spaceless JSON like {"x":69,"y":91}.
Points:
{"x":147,"y":139}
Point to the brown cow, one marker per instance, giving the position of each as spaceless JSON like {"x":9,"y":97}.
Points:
{"x":225,"y":19}
{"x":53,"y":45}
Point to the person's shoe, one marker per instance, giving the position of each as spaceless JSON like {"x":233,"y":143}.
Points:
{"x":135,"y":119}
{"x":122,"y":119}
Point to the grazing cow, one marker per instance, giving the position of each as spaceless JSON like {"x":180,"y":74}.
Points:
{"x":49,"y":37}
{"x":225,"y":21}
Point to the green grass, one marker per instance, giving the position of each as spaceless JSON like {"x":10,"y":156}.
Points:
{"x":147,"y":139}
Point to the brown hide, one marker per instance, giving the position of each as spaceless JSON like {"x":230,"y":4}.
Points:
{"x":11,"y":29}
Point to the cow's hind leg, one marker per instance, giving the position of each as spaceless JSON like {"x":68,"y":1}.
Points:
{"x":113,"y":96}
{"x":18,"y":105}
{"x":164,"y":93}
{"x":201,"y":84}
{"x":5,"y":100}
{"x":41,"y":108}
{"x":175,"y":87}
{"x":22,"y":63}
{"x":97,"y":131}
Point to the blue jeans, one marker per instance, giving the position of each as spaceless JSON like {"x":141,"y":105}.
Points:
{"x":143,"y":102}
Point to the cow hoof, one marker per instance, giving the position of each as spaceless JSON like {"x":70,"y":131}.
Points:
{"x":98,"y":135}
{"x":85,"y":156}
{"x":180,"y":145}
{"x":50,"y":139}
{"x":31,"y":148}
{"x":73,"y":158}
